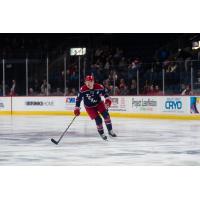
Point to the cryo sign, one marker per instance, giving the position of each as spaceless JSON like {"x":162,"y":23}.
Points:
{"x":173,"y":105}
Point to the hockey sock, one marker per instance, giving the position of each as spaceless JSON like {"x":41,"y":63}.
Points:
{"x":98,"y":121}
{"x":107,"y":120}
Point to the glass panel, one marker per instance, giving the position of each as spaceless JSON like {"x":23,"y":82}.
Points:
{"x":1,"y":78}
{"x":37,"y":77}
{"x":56,"y":76}
{"x":130,"y":76}
{"x":150,"y":79}
{"x":72,"y":75}
{"x":15,"y":85}
{"x":118,"y":79}
{"x":177,"y":77}
{"x":196,"y":77}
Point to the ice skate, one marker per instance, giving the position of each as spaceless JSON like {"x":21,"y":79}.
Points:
{"x":103,"y":136}
{"x":112,"y":134}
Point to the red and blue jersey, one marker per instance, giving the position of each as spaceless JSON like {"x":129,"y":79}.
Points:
{"x":91,"y":97}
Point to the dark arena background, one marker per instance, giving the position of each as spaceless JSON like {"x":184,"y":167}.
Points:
{"x":153,"y":81}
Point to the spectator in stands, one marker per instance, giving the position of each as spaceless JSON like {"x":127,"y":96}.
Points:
{"x":132,"y":71}
{"x":98,"y":52}
{"x":122,"y":63}
{"x":72,"y":92}
{"x":112,"y":90}
{"x":145,"y":88}
{"x":157,"y":91}
{"x":106,"y":83}
{"x":124,"y":91}
{"x":151,"y":90}
{"x":107,"y":64}
{"x":58,"y":92}
{"x":31,"y":92}
{"x":182,"y":88}
{"x":44,"y":88}
{"x":187,"y":91}
{"x":137,"y":63}
{"x":133,"y":87}
{"x":118,"y":53}
{"x":66,"y":91}
{"x":122,"y":84}
{"x":99,"y":75}
{"x":13,"y":88}
{"x":93,"y":69}
{"x":113,"y":76}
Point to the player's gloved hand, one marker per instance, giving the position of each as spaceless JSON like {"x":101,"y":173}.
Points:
{"x":77,"y":111}
{"x":108,"y":103}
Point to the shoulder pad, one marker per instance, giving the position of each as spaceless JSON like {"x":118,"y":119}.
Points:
{"x":83,"y":88}
{"x":98,"y":86}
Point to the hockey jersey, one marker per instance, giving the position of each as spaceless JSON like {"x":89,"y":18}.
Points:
{"x":91,"y":97}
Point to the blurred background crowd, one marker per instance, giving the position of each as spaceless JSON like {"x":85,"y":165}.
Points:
{"x":126,"y":64}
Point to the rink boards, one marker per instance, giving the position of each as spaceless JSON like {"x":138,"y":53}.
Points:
{"x":166,"y":107}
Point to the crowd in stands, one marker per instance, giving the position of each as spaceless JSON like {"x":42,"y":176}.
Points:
{"x":18,"y":47}
{"x":117,"y":72}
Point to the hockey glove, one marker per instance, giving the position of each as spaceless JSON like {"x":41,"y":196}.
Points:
{"x":108,"y":102}
{"x":77,"y":111}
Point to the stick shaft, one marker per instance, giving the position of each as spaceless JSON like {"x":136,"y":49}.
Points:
{"x":66,"y":129}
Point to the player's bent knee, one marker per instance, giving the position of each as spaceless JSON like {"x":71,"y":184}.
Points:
{"x":105,"y":114}
{"x":98,"y":120}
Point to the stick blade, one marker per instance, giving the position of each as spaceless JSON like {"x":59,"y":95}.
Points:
{"x":55,"y":142}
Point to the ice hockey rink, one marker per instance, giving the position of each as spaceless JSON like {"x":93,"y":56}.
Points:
{"x":25,"y":141}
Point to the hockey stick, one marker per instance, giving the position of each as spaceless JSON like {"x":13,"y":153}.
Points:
{"x":56,"y":142}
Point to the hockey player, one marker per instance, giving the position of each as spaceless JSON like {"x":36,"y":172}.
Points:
{"x":91,"y":94}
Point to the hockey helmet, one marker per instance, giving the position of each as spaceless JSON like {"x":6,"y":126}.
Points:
{"x":89,"y":78}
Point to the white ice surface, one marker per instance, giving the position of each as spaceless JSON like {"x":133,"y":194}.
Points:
{"x":25,"y":140}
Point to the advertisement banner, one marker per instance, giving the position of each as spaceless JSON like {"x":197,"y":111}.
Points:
{"x":144,"y":104}
{"x":5,"y":104}
{"x":173,"y":105}
{"x":194,"y":105}
{"x":118,"y":104}
{"x":39,"y":104}
{"x":70,"y":103}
